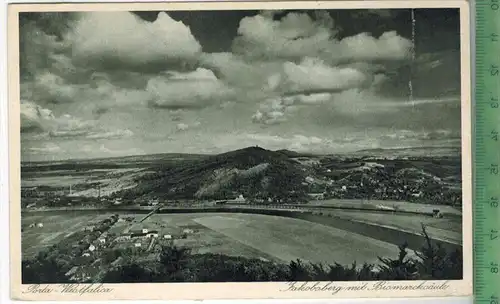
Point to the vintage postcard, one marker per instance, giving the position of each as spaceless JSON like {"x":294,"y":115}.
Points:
{"x":240,"y":150}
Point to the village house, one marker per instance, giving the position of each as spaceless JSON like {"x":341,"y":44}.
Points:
{"x":89,"y":228}
{"x":123,"y":238}
{"x":167,"y":236}
{"x":240,"y":199}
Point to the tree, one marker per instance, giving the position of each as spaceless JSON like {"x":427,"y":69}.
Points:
{"x":174,"y":260}
{"x":299,"y":271}
{"x":435,"y":263}
{"x":402,"y":268}
{"x":42,"y":271}
{"x":131,"y":273}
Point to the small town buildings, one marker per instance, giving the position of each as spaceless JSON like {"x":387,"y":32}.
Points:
{"x":144,"y":230}
{"x":167,"y":236}
{"x":123,"y":238}
{"x":137,"y":245}
{"x":240,"y":199}
{"x":102,"y":240}
{"x":85,"y":254}
{"x":39,"y":225}
{"x":188,"y":231}
{"x":89,"y":228}
{"x":92,"y":248}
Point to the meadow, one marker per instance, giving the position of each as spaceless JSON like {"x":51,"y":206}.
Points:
{"x":264,"y":237}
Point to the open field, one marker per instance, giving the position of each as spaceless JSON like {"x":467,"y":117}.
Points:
{"x":438,"y":228}
{"x":398,"y":205}
{"x":289,"y":239}
{"x":55,"y":228}
{"x":250,"y":235}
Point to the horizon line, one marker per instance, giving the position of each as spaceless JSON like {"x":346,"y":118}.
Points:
{"x":212,"y":154}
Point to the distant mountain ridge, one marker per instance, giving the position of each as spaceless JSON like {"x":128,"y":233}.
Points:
{"x":260,"y":174}
{"x":251,"y":171}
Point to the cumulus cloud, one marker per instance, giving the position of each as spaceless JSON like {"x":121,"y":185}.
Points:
{"x":180,"y":127}
{"x":269,"y":117}
{"x":123,"y":39}
{"x":38,"y":46}
{"x":44,"y":124}
{"x":187,"y":90}
{"x":313,"y":74}
{"x":35,"y":118}
{"x":298,"y":35}
{"x":48,"y":88}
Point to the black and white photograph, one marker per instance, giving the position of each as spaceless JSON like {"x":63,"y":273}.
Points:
{"x":238,"y":145}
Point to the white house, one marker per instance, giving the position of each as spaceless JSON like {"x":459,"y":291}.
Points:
{"x":39,"y":225}
{"x":240,"y":199}
{"x":153,"y":234}
{"x":167,"y":236}
{"x":91,"y":248}
{"x":85,"y":254}
{"x":188,"y":231}
{"x":137,"y":245}
{"x":419,"y":194}
{"x":102,"y":240}
{"x":144,"y":230}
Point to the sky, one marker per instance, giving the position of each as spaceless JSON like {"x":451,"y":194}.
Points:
{"x":107,"y":84}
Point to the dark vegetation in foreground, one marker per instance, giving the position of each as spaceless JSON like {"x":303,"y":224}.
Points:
{"x":180,"y":265}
